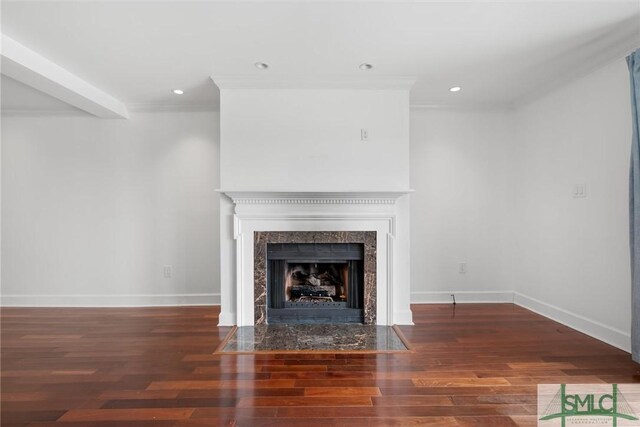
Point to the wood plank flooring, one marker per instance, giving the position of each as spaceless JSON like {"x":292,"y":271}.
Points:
{"x":477,"y":365}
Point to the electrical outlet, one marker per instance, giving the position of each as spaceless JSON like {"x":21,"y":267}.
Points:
{"x":364,"y":135}
{"x":462,"y":267}
{"x":167,"y":271}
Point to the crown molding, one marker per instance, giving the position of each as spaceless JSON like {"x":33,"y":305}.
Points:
{"x":314,"y":198}
{"x":491,"y":107}
{"x":324,"y":82}
{"x":170,"y":108}
{"x":595,"y":53}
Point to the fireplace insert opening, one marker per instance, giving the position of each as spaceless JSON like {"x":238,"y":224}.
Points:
{"x":315,"y":283}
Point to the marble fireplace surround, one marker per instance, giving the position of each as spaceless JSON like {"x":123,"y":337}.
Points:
{"x":262,"y":238}
{"x":259,"y":214}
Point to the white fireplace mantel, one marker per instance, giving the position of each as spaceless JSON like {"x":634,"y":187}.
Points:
{"x":314,"y":197}
{"x":385,"y":212}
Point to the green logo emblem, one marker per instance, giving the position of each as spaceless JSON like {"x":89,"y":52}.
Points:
{"x":612,"y":405}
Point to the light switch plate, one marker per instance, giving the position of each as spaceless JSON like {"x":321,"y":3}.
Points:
{"x":579,"y":191}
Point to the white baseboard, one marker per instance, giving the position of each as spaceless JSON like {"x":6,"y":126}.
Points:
{"x":461,"y":296}
{"x":595,"y":329}
{"x":108,"y":300}
{"x":404,"y":317}
{"x":608,"y":334}
{"x":227,"y":318}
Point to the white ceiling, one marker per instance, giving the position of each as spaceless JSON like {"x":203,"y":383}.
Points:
{"x":499,"y":52}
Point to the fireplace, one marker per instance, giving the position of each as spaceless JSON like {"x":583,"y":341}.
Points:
{"x":315,"y":277}
{"x":315,"y":283}
{"x":251,"y":221}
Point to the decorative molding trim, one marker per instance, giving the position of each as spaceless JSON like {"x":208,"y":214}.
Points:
{"x":390,"y":313}
{"x":290,"y":201}
{"x":77,"y":300}
{"x":324,"y":82}
{"x":599,"y":51}
{"x":314,"y":198}
{"x":246,"y":224}
{"x":462,"y":297}
{"x":238,"y":230}
{"x":595,"y":329}
{"x":490,"y":107}
{"x":173,"y":108}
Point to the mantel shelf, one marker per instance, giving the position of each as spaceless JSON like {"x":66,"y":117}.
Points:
{"x":314,"y":197}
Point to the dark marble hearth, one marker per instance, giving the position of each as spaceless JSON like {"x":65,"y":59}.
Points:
{"x":327,"y":337}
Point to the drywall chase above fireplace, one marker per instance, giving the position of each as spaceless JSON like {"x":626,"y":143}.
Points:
{"x":352,"y":214}
{"x":305,"y":135}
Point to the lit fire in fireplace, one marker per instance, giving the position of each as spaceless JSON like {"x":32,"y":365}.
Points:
{"x":310,"y":282}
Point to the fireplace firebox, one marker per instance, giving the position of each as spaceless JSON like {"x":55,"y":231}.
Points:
{"x":315,"y":283}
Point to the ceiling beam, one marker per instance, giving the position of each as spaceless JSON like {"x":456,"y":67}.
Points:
{"x":28,"y":67}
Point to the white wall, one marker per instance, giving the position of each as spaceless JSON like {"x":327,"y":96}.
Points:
{"x":494,"y":189}
{"x":309,"y":140}
{"x":97,"y":207}
{"x":462,"y":170}
{"x":93,"y":209}
{"x":573,"y":252}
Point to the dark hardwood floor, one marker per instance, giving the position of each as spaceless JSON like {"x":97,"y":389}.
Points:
{"x":477,"y":365}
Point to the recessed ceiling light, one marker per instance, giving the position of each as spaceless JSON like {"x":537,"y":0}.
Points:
{"x":455,"y":89}
{"x":365,"y":66}
{"x":178,"y":91}
{"x":261,"y":65}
